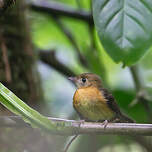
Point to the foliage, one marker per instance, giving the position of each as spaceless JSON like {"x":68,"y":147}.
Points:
{"x":18,"y":107}
{"x":101,"y":54}
{"x":124,"y":28}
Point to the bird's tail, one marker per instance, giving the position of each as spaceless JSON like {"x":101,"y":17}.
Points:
{"x":125,"y":119}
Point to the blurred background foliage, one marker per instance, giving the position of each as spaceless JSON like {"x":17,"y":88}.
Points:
{"x":80,"y":52}
{"x":46,"y":35}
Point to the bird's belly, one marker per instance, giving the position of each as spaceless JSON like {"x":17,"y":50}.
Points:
{"x":94,"y":112}
{"x":92,"y":107}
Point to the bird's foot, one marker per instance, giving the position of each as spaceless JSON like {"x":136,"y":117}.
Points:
{"x":105,"y":123}
{"x":81,"y":122}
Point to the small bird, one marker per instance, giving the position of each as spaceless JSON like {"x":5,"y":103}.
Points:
{"x":93,"y":102}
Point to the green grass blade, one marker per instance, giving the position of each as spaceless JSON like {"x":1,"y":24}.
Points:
{"x":17,"y":106}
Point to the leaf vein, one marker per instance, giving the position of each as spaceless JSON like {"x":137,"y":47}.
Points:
{"x":112,"y":17}
{"x":122,"y":38}
{"x":137,"y":10}
{"x":137,"y":22}
{"x":145,"y":5}
{"x":104,"y":5}
{"x":123,"y":24}
{"x":129,"y":40}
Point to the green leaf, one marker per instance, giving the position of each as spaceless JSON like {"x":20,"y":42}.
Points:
{"x":124,"y":28}
{"x":17,"y":106}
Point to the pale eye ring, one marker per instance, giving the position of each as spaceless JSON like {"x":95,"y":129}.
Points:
{"x":83,"y":80}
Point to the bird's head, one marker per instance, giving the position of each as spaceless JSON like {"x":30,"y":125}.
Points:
{"x":86,"y":80}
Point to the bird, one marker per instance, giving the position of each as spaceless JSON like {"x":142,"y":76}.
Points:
{"x":94,"y":103}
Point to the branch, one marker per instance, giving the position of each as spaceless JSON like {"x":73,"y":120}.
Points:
{"x":53,"y":8}
{"x":141,"y":94}
{"x":5,"y":60}
{"x":69,"y":143}
{"x":1,"y":4}
{"x":71,"y":38}
{"x":136,"y":78}
{"x":5,"y":4}
{"x":72,"y":127}
{"x":49,"y":58}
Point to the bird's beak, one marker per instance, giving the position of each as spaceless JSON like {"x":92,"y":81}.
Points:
{"x":73,"y":79}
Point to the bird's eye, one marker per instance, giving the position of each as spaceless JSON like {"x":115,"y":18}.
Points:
{"x":83,"y":80}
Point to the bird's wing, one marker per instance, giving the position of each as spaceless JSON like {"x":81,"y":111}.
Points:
{"x":111,"y":101}
{"x":113,"y":105}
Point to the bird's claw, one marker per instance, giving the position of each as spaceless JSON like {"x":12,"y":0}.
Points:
{"x":105,"y":123}
{"x":81,"y":122}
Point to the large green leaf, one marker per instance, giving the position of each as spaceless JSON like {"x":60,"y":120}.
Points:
{"x":124,"y":28}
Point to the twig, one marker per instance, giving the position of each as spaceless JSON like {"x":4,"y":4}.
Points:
{"x":6,"y":61}
{"x":53,"y":8}
{"x":136,"y":78}
{"x":141,"y":95}
{"x":70,"y":142}
{"x":49,"y":58}
{"x":71,"y":38}
{"x":1,"y":4}
{"x":72,"y":127}
{"x":5,"y":4}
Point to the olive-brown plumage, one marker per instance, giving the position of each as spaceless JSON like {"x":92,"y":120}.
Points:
{"x":94,"y":103}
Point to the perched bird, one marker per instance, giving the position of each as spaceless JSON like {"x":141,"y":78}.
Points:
{"x":93,"y":102}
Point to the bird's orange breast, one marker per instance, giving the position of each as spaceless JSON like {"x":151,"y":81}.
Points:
{"x":91,"y":104}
